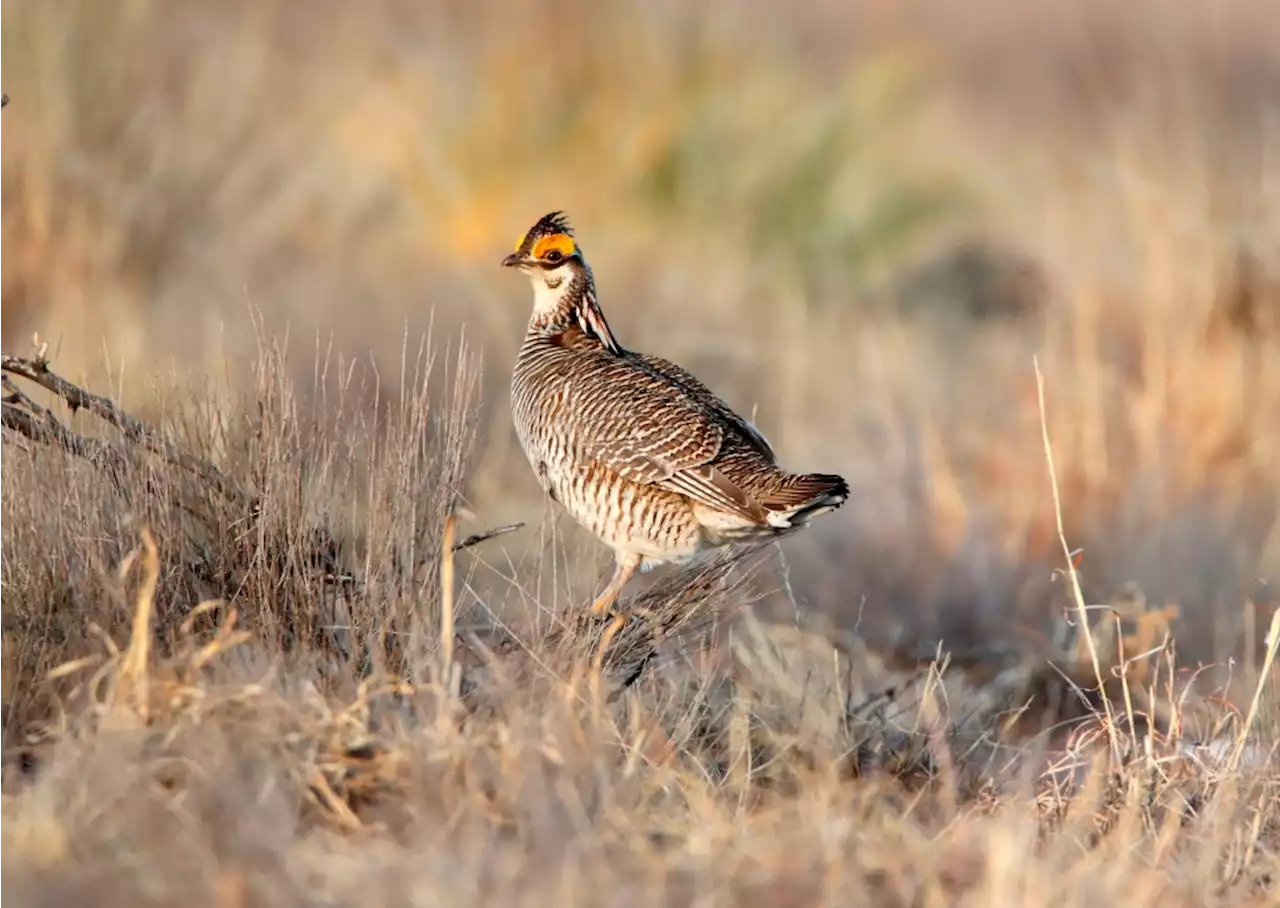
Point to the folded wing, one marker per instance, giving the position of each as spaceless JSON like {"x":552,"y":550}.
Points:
{"x":660,"y":427}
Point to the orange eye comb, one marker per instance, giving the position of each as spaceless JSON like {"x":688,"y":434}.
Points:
{"x":557,"y":242}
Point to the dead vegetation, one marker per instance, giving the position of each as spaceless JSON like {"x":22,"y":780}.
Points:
{"x":262,"y":719}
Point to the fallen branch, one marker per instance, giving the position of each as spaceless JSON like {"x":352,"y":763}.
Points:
{"x":49,"y":431}
{"x":134,"y":429}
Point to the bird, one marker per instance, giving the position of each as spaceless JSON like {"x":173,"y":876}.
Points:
{"x":634,"y":447}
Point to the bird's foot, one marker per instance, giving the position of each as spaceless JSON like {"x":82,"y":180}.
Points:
{"x":594,"y":620}
{"x":604,"y":604}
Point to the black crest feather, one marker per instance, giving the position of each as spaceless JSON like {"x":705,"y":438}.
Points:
{"x":548,"y":225}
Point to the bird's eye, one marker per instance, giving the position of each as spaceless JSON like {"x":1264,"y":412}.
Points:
{"x":553,"y":255}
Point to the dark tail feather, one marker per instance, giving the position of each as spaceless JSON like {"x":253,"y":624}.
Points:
{"x":807,"y":496}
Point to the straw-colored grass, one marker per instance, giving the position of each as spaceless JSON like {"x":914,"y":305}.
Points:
{"x":257,"y":704}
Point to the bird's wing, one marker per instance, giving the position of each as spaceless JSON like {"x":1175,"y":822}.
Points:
{"x":706,"y":398}
{"x":653,"y":431}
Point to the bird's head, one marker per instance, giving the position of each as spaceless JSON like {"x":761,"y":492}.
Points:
{"x":564,"y":291}
{"x":548,"y":254}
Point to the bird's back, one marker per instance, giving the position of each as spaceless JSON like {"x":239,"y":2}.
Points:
{"x":568,"y":390}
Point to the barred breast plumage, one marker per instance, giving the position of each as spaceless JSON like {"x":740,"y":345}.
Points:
{"x":635,"y":448}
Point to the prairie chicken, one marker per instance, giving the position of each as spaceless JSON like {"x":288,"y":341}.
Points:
{"x":636,"y":449}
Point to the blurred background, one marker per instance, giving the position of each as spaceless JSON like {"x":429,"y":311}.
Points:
{"x":857,"y":220}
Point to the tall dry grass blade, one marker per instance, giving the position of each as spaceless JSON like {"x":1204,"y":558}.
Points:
{"x":1082,"y":614}
{"x":446,"y":602}
{"x":131,"y":680}
{"x":1122,"y":660}
{"x":1273,"y":643}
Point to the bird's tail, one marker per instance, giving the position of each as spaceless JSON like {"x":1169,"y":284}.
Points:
{"x":802,"y":498}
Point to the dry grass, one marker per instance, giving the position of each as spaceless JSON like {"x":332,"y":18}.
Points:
{"x":253,"y":705}
{"x":271,"y":230}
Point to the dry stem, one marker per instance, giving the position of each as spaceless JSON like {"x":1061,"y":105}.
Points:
{"x":1081,"y":611}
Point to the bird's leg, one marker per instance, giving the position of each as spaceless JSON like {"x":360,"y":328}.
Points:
{"x":626,"y":569}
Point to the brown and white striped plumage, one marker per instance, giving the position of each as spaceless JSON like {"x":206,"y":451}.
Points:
{"x":635,"y":448}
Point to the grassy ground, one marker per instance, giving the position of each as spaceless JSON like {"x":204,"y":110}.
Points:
{"x":272,"y":230}
{"x":239,"y":710}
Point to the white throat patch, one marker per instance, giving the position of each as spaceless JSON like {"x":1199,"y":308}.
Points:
{"x":546,"y":299}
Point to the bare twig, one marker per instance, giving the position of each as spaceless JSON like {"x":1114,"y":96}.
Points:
{"x":477,"y":538}
{"x":1112,"y":738}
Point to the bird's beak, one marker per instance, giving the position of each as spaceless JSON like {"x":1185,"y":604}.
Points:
{"x":514,"y":260}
